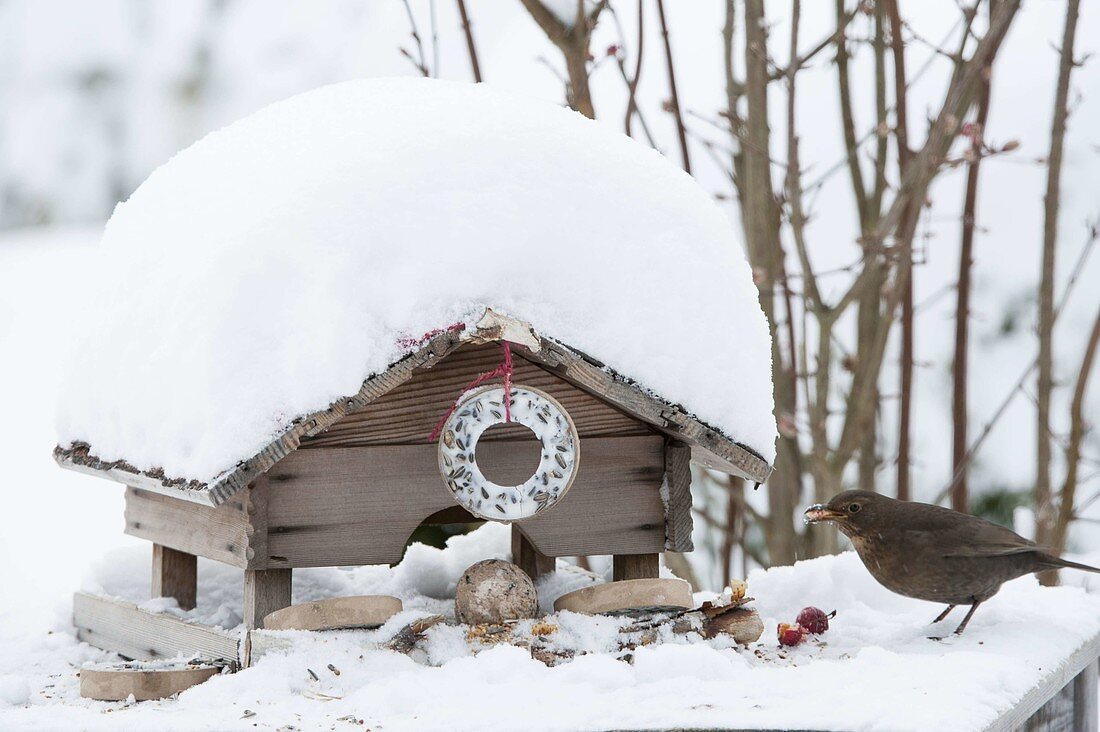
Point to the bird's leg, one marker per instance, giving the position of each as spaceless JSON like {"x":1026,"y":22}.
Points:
{"x":944,"y":614}
{"x":962,"y":626}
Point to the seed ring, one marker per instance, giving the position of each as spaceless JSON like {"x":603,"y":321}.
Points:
{"x":530,"y":407}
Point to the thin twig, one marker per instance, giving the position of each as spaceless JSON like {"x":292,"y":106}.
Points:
{"x":419,"y":62}
{"x":674,"y":101}
{"x":471,"y":48}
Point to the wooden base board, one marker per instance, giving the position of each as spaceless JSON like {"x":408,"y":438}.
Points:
{"x":118,"y":682}
{"x":131,"y":632}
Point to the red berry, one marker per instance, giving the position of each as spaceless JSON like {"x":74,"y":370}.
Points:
{"x":814,"y":620}
{"x":790,"y":635}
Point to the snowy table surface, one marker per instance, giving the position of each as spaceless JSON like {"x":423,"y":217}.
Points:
{"x":875,"y":669}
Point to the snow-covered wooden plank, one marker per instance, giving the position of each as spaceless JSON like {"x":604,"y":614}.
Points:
{"x":1048,"y":690}
{"x":261,"y":642}
{"x":71,"y":459}
{"x":126,"y":629}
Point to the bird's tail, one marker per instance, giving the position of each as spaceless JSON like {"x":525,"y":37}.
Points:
{"x":1059,"y":563}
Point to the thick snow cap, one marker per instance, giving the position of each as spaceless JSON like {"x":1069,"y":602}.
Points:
{"x":268,"y":269}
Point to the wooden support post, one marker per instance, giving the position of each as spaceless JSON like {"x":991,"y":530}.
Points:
{"x":527,"y":557}
{"x":678,"y":522}
{"x":265,"y":591}
{"x":175,"y":574}
{"x":1084,"y":699}
{"x":636,"y":566}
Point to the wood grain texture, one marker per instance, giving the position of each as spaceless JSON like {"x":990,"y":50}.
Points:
{"x":678,"y":522}
{"x":409,"y":413}
{"x":265,"y":591}
{"x":527,"y":557}
{"x":175,"y":574}
{"x":254,"y":500}
{"x":1057,"y":715}
{"x":124,"y":628}
{"x":635,"y":566}
{"x":350,"y":506}
{"x":1085,"y":711}
{"x":215,"y":533}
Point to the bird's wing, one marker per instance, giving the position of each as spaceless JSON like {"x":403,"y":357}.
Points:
{"x":993,"y":550}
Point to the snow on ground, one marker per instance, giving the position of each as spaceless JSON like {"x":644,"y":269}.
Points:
{"x":874,"y":669}
{"x":277,"y":263}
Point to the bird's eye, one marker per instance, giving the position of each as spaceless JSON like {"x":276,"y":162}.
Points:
{"x":854,"y":508}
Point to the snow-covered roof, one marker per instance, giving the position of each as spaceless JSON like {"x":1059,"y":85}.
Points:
{"x":267,"y":271}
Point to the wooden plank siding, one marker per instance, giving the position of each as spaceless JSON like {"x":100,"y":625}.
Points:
{"x":408,"y":414}
{"x":220,"y":533}
{"x":354,"y":493}
{"x":350,"y":506}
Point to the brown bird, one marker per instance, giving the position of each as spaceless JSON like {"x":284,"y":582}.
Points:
{"x":933,"y":553}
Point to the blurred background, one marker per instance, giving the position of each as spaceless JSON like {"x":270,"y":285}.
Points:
{"x":929,"y":273}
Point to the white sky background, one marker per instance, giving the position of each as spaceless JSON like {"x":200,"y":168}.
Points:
{"x":94,"y":95}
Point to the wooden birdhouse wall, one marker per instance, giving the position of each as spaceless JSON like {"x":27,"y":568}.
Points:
{"x":353,"y":494}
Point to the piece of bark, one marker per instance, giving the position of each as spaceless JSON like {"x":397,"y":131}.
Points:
{"x":742,"y":624}
{"x":406,"y":639}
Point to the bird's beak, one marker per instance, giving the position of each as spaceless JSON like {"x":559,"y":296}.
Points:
{"x":820,"y":512}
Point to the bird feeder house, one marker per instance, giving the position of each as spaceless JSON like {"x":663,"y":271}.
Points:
{"x":494,"y":417}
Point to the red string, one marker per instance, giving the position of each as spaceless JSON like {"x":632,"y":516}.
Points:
{"x":505,"y":370}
